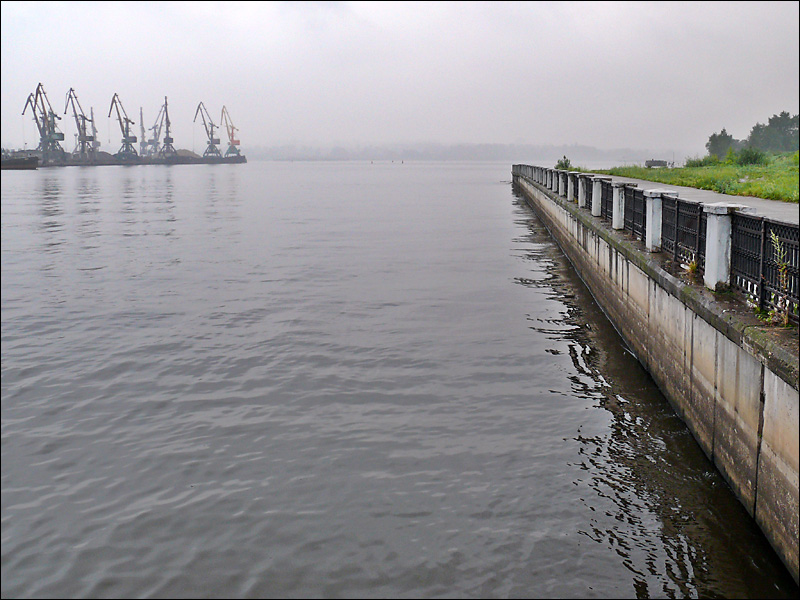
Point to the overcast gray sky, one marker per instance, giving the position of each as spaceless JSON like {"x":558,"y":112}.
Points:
{"x":610,"y":75}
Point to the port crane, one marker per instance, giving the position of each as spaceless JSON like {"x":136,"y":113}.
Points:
{"x":85,"y":146}
{"x":142,"y":137}
{"x":152,"y":146}
{"x":167,"y":149}
{"x":45,"y":118}
{"x":227,"y":123}
{"x":96,"y":140}
{"x":208,"y":124}
{"x":127,"y":151}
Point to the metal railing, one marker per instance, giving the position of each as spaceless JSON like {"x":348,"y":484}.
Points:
{"x":683,"y":230}
{"x":765,"y":256}
{"x":606,"y":200}
{"x":635,"y":212}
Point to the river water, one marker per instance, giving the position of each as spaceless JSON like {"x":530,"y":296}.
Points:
{"x":356,"y":380}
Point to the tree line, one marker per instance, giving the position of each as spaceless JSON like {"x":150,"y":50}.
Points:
{"x":779,"y":134}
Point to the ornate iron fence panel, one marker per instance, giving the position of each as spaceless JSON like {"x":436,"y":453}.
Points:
{"x":689,"y":231}
{"x":635,"y":214}
{"x":747,"y":250}
{"x":669,"y":211}
{"x":606,"y":200}
{"x":627,"y":213}
{"x":765,"y":261}
{"x":683,"y":231}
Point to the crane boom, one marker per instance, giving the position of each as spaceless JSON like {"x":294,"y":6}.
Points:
{"x":40,"y":123}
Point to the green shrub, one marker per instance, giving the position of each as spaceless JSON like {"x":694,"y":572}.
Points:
{"x":751,"y":156}
{"x":706,"y":161}
{"x":564,"y":164}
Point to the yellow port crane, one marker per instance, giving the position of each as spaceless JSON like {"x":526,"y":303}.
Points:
{"x":226,"y":121}
{"x":127,"y":151}
{"x":209,"y":126}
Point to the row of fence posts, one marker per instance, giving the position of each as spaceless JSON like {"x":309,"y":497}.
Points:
{"x":585,"y":188}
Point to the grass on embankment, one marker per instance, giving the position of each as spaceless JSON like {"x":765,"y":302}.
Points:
{"x":776,"y":180}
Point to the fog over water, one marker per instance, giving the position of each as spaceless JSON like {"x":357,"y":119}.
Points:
{"x":308,"y":78}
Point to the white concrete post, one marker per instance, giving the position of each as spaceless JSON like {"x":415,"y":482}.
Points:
{"x":570,"y":186}
{"x":618,"y":205}
{"x":652,"y":233}
{"x":597,"y":195}
{"x":717,"y":270}
{"x":583,"y":181}
{"x":549,"y":179}
{"x":562,"y":189}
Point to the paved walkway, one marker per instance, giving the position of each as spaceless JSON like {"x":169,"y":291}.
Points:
{"x":772,"y":209}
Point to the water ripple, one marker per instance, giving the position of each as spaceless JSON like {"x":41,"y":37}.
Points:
{"x":333,"y":380}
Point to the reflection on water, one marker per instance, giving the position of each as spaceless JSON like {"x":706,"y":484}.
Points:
{"x":50,"y":202}
{"x":50,"y":211}
{"x":656,"y":500}
{"x":333,"y":380}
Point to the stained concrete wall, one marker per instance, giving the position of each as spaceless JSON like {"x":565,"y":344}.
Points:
{"x":737,"y":394}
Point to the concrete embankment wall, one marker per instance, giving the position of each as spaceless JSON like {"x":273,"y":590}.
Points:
{"x":737,"y":394}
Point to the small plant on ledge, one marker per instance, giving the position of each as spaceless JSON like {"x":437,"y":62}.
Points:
{"x":691,"y":266}
{"x":780,"y":314}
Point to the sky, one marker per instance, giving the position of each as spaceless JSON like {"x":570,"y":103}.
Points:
{"x":662,"y":75}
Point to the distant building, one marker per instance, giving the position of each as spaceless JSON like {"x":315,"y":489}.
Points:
{"x":655,"y":163}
